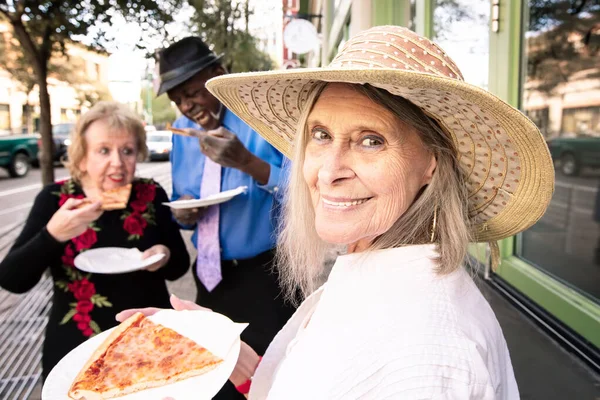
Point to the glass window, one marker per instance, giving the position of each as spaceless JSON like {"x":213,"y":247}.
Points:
{"x":461,"y":28}
{"x":561,"y":94}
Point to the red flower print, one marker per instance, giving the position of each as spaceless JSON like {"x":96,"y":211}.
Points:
{"x":138,"y":206}
{"x":82,"y":289}
{"x":85,"y":240}
{"x":82,"y":318}
{"x":84,"y":306}
{"x":87,"y":331}
{"x":145,"y":192}
{"x":64,"y":197}
{"x":68,"y":256}
{"x":134,"y":224}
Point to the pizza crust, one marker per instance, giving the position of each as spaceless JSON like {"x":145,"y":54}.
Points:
{"x":119,"y":329}
{"x":180,"y":132}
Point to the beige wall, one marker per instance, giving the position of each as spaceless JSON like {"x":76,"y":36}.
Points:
{"x":62,"y":95}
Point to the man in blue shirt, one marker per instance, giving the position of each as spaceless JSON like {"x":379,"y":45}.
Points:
{"x":249,"y":290}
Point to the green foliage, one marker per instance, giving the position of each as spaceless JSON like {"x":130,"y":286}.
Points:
{"x":162,"y":110}
{"x":43,"y":28}
{"x":223,"y":24}
{"x":563,"y":44}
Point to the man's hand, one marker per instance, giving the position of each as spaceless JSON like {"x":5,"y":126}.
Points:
{"x":224,"y":148}
{"x":187,"y":216}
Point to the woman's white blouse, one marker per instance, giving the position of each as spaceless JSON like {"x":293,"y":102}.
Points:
{"x":386,"y":326}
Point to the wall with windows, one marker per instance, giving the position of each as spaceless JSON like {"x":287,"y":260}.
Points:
{"x":67,"y":101}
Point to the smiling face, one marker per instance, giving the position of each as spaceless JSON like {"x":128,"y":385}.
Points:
{"x":196,"y":102}
{"x":363,"y":167}
{"x":110,"y":158}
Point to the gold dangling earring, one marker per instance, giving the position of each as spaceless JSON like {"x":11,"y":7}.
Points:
{"x":434,"y":223}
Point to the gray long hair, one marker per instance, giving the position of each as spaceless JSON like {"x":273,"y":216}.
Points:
{"x":301,"y":252}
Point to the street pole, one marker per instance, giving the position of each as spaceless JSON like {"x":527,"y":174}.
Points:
{"x":149,"y":118}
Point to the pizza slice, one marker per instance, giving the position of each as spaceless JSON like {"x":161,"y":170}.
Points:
{"x":140,"y":354}
{"x":115,"y":199}
{"x":180,"y":132}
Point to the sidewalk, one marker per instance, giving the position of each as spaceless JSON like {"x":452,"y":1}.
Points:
{"x":544,"y":371}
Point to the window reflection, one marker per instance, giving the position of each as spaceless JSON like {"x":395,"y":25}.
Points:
{"x":561,"y":94}
{"x":461,"y":28}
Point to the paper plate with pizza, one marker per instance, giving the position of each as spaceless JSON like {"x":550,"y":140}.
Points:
{"x":180,"y":354}
{"x":114,"y":260}
{"x":208,"y":200}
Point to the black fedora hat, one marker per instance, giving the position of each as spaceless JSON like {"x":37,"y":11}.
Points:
{"x":182,"y":60}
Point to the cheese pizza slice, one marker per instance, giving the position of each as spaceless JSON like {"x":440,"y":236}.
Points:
{"x":180,"y":132}
{"x":116,"y":199}
{"x":140,"y":354}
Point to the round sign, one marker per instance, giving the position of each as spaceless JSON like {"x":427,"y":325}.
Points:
{"x":300,"y":36}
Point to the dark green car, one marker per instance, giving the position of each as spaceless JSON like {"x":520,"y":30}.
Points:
{"x":17,"y":153}
{"x":571,"y":154}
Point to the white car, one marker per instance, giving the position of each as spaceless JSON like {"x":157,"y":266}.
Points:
{"x":159,"y":145}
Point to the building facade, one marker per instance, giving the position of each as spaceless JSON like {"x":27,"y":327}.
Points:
{"x":544,"y":60}
{"x":19,"y":111}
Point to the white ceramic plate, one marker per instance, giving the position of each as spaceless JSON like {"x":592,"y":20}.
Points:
{"x":113,"y":260}
{"x":209,"y":200}
{"x":214,"y":331}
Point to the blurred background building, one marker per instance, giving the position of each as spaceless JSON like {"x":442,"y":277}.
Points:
{"x":87,"y":82}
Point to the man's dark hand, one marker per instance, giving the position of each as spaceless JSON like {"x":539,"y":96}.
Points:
{"x":224,"y":148}
{"x":187,"y":216}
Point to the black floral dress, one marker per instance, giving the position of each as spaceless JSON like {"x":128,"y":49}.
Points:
{"x":85,"y":304}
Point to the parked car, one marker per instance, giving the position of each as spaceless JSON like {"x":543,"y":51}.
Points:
{"x":159,"y":145}
{"x":61,"y":140}
{"x":17,"y":153}
{"x":571,"y":154}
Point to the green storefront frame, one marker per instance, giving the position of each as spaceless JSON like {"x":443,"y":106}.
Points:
{"x":506,"y":64}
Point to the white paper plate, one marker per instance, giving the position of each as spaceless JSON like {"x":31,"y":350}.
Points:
{"x":113,"y":260}
{"x":209,"y":200}
{"x":214,"y":331}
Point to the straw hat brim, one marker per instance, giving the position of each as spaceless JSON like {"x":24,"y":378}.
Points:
{"x":509,"y":167}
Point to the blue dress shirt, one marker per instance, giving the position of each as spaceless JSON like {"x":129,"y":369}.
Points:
{"x":247,"y":222}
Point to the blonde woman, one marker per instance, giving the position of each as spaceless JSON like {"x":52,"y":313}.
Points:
{"x":106,"y":144}
{"x":401,"y":162}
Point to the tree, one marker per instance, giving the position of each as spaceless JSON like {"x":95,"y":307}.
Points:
{"x":563,"y":43}
{"x":162,"y":111}
{"x":44,"y":27}
{"x":223,"y":24}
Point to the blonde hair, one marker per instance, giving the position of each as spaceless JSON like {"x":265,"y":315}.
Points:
{"x":118,"y":117}
{"x":301,"y":252}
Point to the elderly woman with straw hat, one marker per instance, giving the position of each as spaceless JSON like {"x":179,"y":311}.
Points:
{"x":402,"y":163}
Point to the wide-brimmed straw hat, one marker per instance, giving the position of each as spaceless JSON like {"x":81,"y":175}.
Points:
{"x":509,"y":168}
